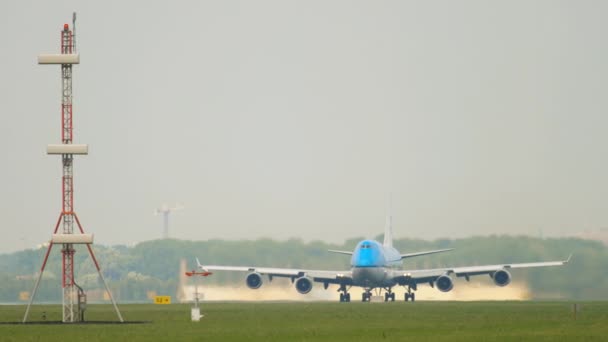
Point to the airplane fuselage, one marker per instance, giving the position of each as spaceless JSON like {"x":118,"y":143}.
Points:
{"x":371,"y":262}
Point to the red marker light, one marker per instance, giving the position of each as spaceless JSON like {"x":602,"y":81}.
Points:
{"x":66,"y":26}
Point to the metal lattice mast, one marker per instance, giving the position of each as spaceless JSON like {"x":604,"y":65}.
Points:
{"x":67,"y":252}
{"x":72,"y":311}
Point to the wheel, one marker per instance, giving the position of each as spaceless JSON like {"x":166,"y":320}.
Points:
{"x":413,"y":296}
{"x":407,"y":297}
{"x":342,"y":297}
{"x":364,"y":297}
{"x":387,"y":296}
{"x":392,"y":297}
{"x":347,"y":297}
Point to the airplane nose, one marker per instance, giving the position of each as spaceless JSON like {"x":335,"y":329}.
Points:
{"x":367,"y":258}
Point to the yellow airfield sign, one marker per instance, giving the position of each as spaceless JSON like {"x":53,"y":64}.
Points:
{"x":162,"y":300}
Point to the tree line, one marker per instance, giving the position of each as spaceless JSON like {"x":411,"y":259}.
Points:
{"x":134,"y":272}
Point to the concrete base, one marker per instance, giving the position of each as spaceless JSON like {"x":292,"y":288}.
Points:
{"x":195,"y":314}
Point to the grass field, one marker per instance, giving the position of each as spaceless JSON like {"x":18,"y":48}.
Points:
{"x":266,"y":321}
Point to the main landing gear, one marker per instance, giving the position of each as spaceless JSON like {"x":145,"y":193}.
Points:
{"x":409,"y":294}
{"x":366,"y":296}
{"x":389,"y":295}
{"x":344,"y":296}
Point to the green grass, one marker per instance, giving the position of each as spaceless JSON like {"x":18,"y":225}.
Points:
{"x":421,"y":321}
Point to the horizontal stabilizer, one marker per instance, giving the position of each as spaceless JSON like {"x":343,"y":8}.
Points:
{"x":410,"y":255}
{"x":340,"y":252}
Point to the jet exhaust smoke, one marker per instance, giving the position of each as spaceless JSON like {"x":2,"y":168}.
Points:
{"x":471,"y":291}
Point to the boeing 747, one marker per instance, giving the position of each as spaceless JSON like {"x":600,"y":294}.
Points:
{"x":374,"y":266}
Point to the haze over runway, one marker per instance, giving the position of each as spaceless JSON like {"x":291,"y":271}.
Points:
{"x":296,"y":119}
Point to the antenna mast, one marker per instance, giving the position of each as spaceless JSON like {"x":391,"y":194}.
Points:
{"x":165,"y":210}
{"x":74,"y":298}
{"x":74,"y":30}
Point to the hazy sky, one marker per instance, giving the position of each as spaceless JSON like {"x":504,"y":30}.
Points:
{"x":297,"y":118}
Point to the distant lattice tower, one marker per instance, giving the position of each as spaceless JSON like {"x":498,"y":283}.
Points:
{"x":74,"y":298}
{"x":165,"y":210}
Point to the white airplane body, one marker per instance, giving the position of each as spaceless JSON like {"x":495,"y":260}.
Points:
{"x":374,"y":266}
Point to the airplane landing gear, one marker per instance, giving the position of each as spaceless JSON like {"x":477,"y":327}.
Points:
{"x":410,"y":295}
{"x":344,"y":296}
{"x":389,"y":295}
{"x":366,"y":296}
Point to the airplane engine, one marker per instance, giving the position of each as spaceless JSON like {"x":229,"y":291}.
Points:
{"x":303,"y":285}
{"x":253,"y":280}
{"x":501,"y":278}
{"x":444,"y":283}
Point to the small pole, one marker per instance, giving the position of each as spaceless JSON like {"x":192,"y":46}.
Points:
{"x":195,"y":313}
{"x":74,"y":31}
{"x":196,"y":292}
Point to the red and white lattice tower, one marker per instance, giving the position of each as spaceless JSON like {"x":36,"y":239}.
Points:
{"x":74,"y":298}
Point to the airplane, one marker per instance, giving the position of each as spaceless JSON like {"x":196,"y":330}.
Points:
{"x":374,"y":266}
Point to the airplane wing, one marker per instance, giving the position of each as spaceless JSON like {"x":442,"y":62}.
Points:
{"x":409,"y":255}
{"x":322,"y":276}
{"x":340,"y":252}
{"x":412,"y":277}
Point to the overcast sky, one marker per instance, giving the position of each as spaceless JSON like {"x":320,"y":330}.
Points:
{"x":297,"y":118}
